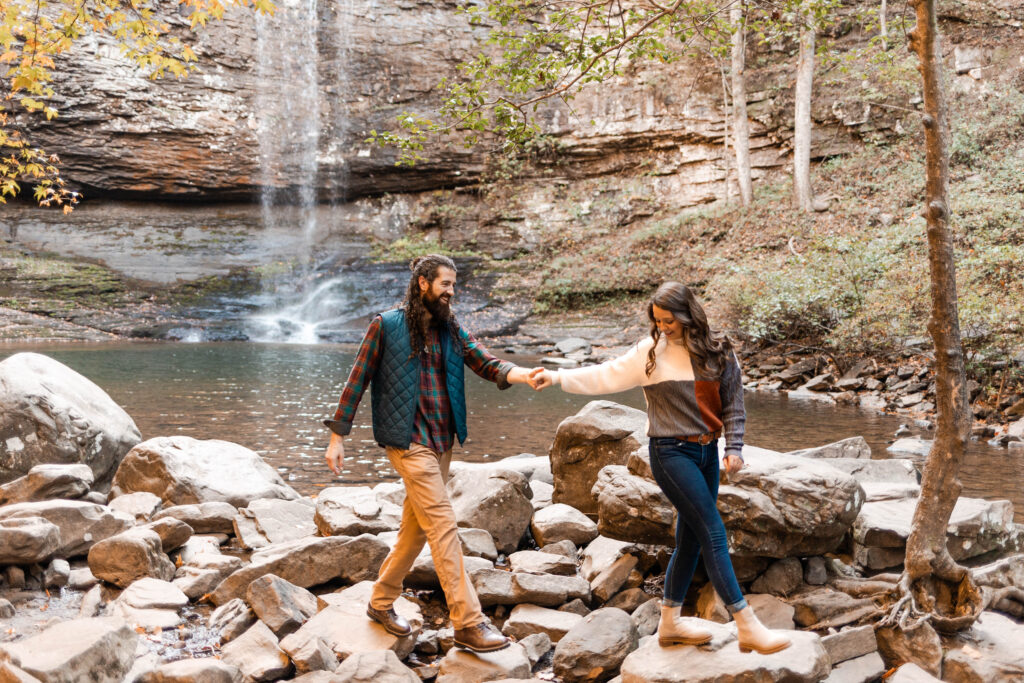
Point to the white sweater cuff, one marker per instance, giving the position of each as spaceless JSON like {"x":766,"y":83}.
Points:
{"x":556,"y":377}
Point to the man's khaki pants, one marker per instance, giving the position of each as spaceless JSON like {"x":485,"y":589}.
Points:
{"x":427,"y":517}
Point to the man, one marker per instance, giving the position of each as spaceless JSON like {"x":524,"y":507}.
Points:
{"x":414,"y":358}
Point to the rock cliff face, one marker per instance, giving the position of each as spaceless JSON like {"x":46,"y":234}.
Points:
{"x":288,"y":103}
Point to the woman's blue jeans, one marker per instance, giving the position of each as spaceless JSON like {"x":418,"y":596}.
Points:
{"x":688,"y":474}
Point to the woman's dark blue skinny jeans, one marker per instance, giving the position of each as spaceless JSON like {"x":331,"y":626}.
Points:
{"x":688,"y":474}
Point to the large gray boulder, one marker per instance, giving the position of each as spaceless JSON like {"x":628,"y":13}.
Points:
{"x":308,"y":562}
{"x":27,"y":540}
{"x":51,"y":414}
{"x":561,"y":522}
{"x":99,"y":650}
{"x":601,"y":433}
{"x":81,"y":524}
{"x":632,"y":508}
{"x":44,"y":482}
{"x":354,"y":510}
{"x":495,"y":500}
{"x":281,"y":605}
{"x":594,"y":649}
{"x":184,"y":470}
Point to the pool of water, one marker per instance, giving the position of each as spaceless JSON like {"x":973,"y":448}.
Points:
{"x":272,"y":397}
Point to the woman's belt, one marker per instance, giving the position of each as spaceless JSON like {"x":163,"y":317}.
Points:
{"x":702,"y":439}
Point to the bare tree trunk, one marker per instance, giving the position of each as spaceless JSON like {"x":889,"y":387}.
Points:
{"x":802,"y":197}
{"x":725,"y":137}
{"x":741,"y":125}
{"x":932,"y":579}
{"x":882,"y":27}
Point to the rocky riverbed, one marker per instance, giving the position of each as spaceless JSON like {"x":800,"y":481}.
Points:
{"x":178,"y":559}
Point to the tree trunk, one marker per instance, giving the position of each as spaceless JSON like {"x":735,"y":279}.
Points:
{"x":725,"y":137}
{"x":802,"y":197}
{"x":935,"y":581}
{"x":883,"y":30}
{"x":741,"y":125}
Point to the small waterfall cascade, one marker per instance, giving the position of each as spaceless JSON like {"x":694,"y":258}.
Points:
{"x":300,"y":303}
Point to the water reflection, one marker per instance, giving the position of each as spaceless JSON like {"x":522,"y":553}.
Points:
{"x":271,"y":398}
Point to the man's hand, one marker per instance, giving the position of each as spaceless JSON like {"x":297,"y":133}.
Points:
{"x":540,"y":378}
{"x":523,"y":376}
{"x":335,"y":455}
{"x":733,"y":464}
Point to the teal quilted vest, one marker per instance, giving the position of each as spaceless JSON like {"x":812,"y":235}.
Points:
{"x":395,"y":388}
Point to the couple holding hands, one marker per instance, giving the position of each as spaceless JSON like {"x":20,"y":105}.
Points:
{"x":414,"y":359}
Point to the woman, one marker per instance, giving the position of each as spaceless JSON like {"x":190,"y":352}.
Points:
{"x":692,"y":382}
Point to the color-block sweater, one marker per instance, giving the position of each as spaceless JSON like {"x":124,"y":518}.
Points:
{"x":678,"y":403}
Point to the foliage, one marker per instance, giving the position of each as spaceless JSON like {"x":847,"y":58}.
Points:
{"x":409,"y":247}
{"x":36,"y":34}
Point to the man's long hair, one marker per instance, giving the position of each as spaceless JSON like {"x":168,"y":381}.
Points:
{"x":709,"y":350}
{"x":417,"y":317}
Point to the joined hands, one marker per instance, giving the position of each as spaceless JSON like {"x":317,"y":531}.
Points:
{"x":540,"y":378}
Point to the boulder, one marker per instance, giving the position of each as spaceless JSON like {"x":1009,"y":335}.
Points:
{"x":150,"y":593}
{"x":892,"y":470}
{"x":536,"y":468}
{"x":354,"y":510}
{"x":45,"y":482}
{"x":864,"y":669}
{"x":646,"y":617}
{"x":308,"y":562}
{"x":878,"y":491}
{"x":378,"y":666}
{"x":628,"y":600}
{"x":181,"y":470}
{"x":781,"y":578}
{"x":391,"y":491}
{"x":99,"y":650}
{"x":50,"y":414}
{"x":850,"y":643}
{"x":805,"y":661}
{"x":57,"y":574}
{"x":608,"y":582}
{"x":196,"y":546}
{"x":204,"y":518}
{"x":529,"y":619}
{"x":542,"y":493}
{"x":917,"y":643}
{"x":989,"y":651}
{"x":81,"y":524}
{"x":204,"y":572}
{"x":495,"y":500}
{"x":823,"y":608}
{"x":128,"y":556}
{"x":632,"y":508}
{"x":478,"y":543}
{"x":773,"y":612}
{"x":461,"y":666}
{"x":975,"y":527}
{"x":27,"y":540}
{"x":559,"y":522}
{"x":854,"y":447}
{"x":602,"y":433}
{"x":231,"y":619}
{"x":424,"y":574}
{"x":911,"y":673}
{"x":600,"y":554}
{"x":141,"y":506}
{"x":310,"y":655}
{"x":256,"y":655}
{"x":345,"y":628}
{"x":536,"y":645}
{"x":536,"y":562}
{"x":282,"y":606}
{"x":912,"y":446}
{"x":204,"y":670}
{"x":271,"y":520}
{"x":594,"y":649}
{"x":497,"y":587}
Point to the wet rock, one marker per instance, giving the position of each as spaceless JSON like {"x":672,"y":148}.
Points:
{"x":50,"y":414}
{"x":269,"y":520}
{"x":128,"y":556}
{"x":173,"y":533}
{"x":529,"y":619}
{"x":231,"y":619}
{"x":559,"y":522}
{"x":204,"y":518}
{"x":918,"y":644}
{"x":781,"y":578}
{"x":608,"y":582}
{"x":345,"y":628}
{"x":282,"y":606}
{"x":460,"y":666}
{"x":204,"y":670}
{"x":27,"y":540}
{"x":805,"y":661}
{"x":633,"y":508}
{"x":379,"y":666}
{"x":308,"y":562}
{"x":537,"y":562}
{"x":825,"y":608}
{"x":57,"y":574}
{"x":854,"y":447}
{"x":353,"y":510}
{"x":989,"y":651}
{"x":46,"y":482}
{"x":99,"y":650}
{"x":850,"y":643}
{"x":81,"y":524}
{"x":141,"y":506}
{"x":864,"y":669}
{"x":182,"y":470}
{"x":256,"y":655}
{"x":594,"y":649}
{"x":495,"y":500}
{"x":601,"y":433}
{"x":204,"y":572}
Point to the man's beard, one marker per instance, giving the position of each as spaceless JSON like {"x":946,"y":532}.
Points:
{"x":440,"y":310}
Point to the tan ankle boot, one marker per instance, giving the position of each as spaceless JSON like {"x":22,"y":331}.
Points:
{"x":754,"y":636}
{"x":673,"y":631}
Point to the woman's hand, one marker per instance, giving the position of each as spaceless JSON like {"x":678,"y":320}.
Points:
{"x":733,"y":464}
{"x":541,"y":378}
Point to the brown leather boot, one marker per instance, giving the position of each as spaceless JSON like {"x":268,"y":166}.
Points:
{"x":480,"y":638}
{"x":392,"y":621}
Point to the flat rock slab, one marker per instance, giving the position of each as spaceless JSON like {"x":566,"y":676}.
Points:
{"x":990,"y":651}
{"x":805,"y":661}
{"x":269,"y":520}
{"x":45,"y":482}
{"x":526,"y":620}
{"x":308,"y":562}
{"x":379,"y":666}
{"x":536,"y":562}
{"x":99,"y":650}
{"x":855,"y":447}
{"x":461,"y":666}
{"x":81,"y":523}
{"x":182,"y":470}
{"x":204,"y":518}
{"x":150,"y":593}
{"x":256,"y":654}
{"x":354,"y":510}
{"x":204,"y":670}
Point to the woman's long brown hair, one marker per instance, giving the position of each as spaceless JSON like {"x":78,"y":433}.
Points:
{"x":709,"y":350}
